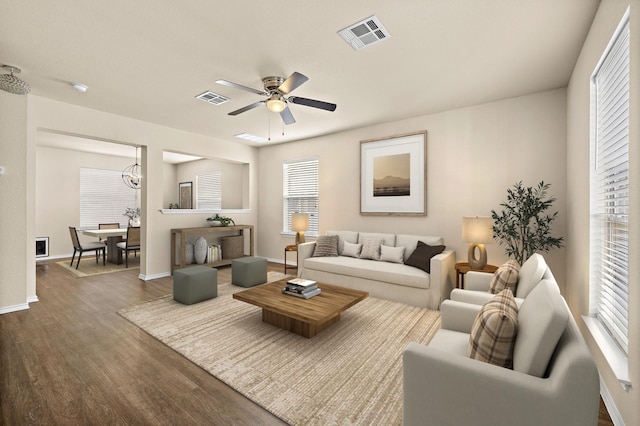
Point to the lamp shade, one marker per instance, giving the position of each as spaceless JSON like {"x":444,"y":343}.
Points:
{"x":299,"y":222}
{"x":477,"y":229}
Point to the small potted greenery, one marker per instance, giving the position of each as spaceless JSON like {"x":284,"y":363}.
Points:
{"x":218,"y":220}
{"x":134,"y":216}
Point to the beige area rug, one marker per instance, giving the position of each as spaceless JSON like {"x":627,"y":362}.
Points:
{"x":89,"y":267}
{"x":349,"y":374}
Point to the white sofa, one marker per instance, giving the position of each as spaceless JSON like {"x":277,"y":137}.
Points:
{"x":476,"y":291}
{"x":392,"y":281}
{"x":554,"y":380}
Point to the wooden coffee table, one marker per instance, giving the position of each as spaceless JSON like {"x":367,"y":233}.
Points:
{"x":306,"y":317}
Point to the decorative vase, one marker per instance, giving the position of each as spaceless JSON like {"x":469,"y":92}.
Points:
{"x":200,"y":250}
{"x":188,"y":254}
{"x":134,"y":221}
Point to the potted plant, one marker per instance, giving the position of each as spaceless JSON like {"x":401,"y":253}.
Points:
{"x":133,"y":215}
{"x":218,"y":220}
{"x":524,"y":226}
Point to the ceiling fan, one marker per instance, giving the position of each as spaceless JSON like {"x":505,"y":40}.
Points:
{"x":275,"y":90}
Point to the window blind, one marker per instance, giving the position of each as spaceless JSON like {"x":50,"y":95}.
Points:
{"x":300,"y":193}
{"x":209,"y":190}
{"x":609,"y":188}
{"x":104,"y":198}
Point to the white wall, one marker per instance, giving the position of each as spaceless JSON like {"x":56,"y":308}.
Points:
{"x":473,"y":155}
{"x":607,"y":18}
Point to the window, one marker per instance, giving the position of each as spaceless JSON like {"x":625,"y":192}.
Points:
{"x":209,"y":190}
{"x":300,"y":193}
{"x":104,"y":197}
{"x":609,"y":189}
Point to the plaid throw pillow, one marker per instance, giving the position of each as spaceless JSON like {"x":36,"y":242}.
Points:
{"x":494,"y":330}
{"x":326,"y":245}
{"x":505,"y":277}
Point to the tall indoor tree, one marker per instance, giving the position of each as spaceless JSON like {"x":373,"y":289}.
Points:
{"x":523,"y":227}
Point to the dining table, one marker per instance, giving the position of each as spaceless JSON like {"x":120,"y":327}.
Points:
{"x":113,"y":236}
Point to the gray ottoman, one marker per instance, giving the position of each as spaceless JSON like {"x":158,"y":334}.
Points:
{"x":248,"y":271}
{"x":195,"y":284}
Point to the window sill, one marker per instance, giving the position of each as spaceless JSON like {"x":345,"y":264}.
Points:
{"x":616,"y":357}
{"x":204,"y":211}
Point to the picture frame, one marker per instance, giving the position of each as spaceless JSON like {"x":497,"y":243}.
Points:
{"x":185,"y":195}
{"x":393,"y":175}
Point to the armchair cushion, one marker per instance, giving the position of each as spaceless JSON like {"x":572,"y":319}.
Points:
{"x":531,"y":273}
{"x":542,"y":318}
{"x":505,"y":277}
{"x":494,"y":331}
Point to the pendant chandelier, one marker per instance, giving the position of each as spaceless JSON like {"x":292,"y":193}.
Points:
{"x":132,"y":175}
{"x":12,"y":84}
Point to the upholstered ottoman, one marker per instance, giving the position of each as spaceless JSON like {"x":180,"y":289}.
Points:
{"x":195,"y":284}
{"x":248,"y":271}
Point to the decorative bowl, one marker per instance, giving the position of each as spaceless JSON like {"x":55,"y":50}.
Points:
{"x":214,"y":223}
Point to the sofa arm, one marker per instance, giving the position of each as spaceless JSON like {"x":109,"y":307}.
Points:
{"x":305,"y":250}
{"x":458,"y":316}
{"x":443,"y":276}
{"x":444,"y":389}
{"x":477,"y":281}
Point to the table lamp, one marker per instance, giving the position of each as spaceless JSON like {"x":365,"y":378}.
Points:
{"x":477,"y":231}
{"x":299,"y":223}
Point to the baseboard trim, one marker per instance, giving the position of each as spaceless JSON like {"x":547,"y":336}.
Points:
{"x":144,"y":277}
{"x":14,"y":308}
{"x":32,"y":299}
{"x":616,"y":418}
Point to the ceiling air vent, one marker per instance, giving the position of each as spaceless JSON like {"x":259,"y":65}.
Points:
{"x":212,"y":98}
{"x":364,"y":33}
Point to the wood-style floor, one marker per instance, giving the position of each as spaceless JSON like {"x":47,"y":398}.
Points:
{"x":72,"y":360}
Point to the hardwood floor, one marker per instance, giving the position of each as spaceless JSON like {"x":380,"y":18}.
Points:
{"x":71,"y":359}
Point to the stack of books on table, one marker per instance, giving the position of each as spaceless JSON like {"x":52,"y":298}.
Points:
{"x":302,"y":288}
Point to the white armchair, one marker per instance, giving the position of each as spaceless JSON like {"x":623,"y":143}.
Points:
{"x":554,"y":380}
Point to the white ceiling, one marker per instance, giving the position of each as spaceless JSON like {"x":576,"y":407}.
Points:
{"x":148,"y":59}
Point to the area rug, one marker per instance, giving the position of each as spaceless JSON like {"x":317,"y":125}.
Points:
{"x":349,"y":374}
{"x":89,"y":267}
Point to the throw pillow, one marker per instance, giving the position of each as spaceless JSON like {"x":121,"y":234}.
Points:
{"x":371,"y":248}
{"x":326,"y":245}
{"x":391,"y":254}
{"x":421,"y":256}
{"x":351,"y":249}
{"x":505,"y":277}
{"x":494,"y":330}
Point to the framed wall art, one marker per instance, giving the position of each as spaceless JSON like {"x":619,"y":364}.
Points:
{"x":393,"y":175}
{"x":185,"y":195}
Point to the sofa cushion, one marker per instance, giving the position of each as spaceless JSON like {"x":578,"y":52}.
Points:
{"x":421,"y":256}
{"x":396,"y":273}
{"x":494,"y":331}
{"x":410,"y":242}
{"x":531,"y":273}
{"x":326,"y":245}
{"x":371,"y":248}
{"x":351,"y":249}
{"x":350,"y":236}
{"x":542,"y":319}
{"x":392,"y":254}
{"x":387,"y":239}
{"x":505,"y":277}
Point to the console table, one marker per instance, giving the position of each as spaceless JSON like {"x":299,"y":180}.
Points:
{"x":180,"y":236}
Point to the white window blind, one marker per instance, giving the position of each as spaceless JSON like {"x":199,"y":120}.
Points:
{"x":300,"y":193}
{"x":104,"y":198}
{"x":209,"y":190}
{"x":609,"y":187}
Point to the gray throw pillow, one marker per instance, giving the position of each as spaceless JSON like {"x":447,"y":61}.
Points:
{"x":326,"y":246}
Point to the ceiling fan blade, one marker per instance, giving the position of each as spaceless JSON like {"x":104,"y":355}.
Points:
{"x":287,"y":117}
{"x":247,"y":108}
{"x":241,"y":87}
{"x":313,"y":103}
{"x":294,"y":81}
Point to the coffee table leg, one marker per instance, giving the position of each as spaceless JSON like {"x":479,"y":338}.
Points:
{"x":301,"y":328}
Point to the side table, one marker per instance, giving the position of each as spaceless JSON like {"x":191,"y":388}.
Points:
{"x":463,"y":267}
{"x":287,"y":249}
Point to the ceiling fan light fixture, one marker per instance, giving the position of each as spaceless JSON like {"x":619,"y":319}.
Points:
{"x":275,"y":103}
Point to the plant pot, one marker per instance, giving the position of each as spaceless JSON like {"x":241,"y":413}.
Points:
{"x":214,"y":223}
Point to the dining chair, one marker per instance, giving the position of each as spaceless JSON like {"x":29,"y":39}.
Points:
{"x":108,"y":226}
{"x":131,"y":244}
{"x":81,"y":248}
